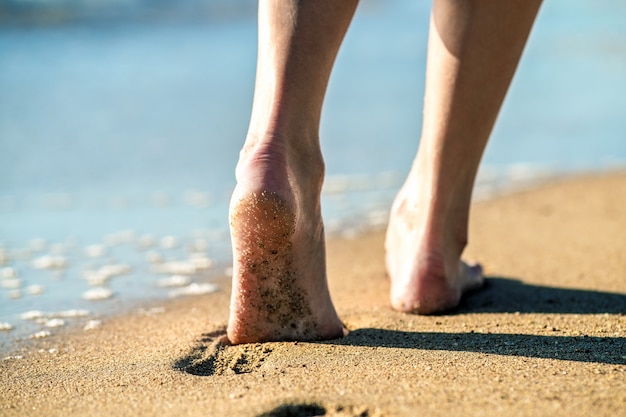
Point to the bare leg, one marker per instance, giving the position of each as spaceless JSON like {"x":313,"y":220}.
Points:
{"x":279,"y":283}
{"x":474,"y":47}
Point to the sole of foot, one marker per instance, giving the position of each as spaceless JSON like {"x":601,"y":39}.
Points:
{"x":279,"y":288}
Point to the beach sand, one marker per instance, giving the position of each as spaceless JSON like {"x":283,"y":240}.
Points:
{"x":547,"y":336}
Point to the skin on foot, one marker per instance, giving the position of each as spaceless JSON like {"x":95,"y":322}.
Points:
{"x":279,"y":288}
{"x":423,"y":260}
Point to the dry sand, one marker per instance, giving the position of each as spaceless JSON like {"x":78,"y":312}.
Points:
{"x":546,"y":337}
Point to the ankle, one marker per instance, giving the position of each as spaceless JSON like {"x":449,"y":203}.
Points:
{"x":295,"y":156}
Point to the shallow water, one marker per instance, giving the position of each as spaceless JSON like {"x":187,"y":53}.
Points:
{"x":125,"y":135}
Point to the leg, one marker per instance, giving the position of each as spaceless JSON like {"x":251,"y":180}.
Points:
{"x":279,"y":273}
{"x":474,"y":47}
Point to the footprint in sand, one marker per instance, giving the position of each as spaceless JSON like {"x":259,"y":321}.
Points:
{"x":215,"y":356}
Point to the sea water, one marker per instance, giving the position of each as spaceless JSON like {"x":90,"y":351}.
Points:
{"x":119,"y":137}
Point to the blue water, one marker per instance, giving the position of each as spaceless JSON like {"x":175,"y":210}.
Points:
{"x":135,"y":125}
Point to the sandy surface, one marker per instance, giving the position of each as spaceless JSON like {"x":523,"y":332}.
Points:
{"x":546,"y":337}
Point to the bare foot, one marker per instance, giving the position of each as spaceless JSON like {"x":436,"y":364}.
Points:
{"x":423,"y":250}
{"x":279,"y":273}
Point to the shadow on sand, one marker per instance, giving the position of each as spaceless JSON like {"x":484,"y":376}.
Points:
{"x":608,"y":350}
{"x":506,"y":295}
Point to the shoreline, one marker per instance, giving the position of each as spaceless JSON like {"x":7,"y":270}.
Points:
{"x":354,"y":205}
{"x":502,"y":188}
{"x":127,"y":248}
{"x":547,"y":334}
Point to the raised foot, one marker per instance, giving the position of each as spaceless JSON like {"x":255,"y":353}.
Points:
{"x":279,"y":280}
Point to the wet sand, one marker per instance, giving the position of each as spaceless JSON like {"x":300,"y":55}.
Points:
{"x":547,"y":336}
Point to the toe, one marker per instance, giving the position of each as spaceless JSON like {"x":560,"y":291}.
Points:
{"x":473,"y":275}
